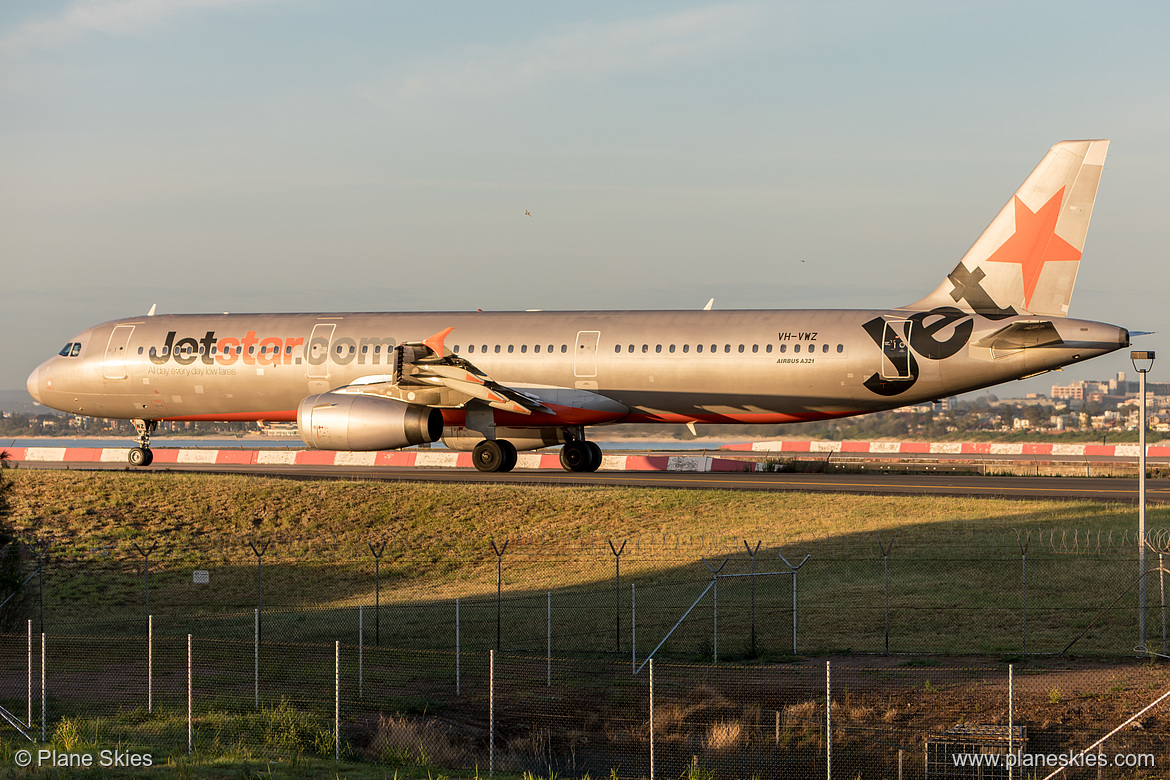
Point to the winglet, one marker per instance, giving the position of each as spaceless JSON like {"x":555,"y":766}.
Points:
{"x":153,"y":306}
{"x":710,"y":303}
{"x":435,"y":342}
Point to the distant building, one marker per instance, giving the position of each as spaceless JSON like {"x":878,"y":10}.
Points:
{"x":1073,"y":392}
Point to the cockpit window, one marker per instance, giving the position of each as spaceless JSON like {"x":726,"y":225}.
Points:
{"x":65,"y":349}
{"x":76,"y":350}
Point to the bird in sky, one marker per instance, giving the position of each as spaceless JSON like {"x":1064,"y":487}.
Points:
{"x":527,"y":212}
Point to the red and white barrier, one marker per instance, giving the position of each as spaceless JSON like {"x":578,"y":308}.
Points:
{"x":433,"y":459}
{"x":950,"y":448}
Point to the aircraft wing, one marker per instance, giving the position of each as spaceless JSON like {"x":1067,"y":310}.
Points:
{"x":1023,"y":334}
{"x":425,"y":373}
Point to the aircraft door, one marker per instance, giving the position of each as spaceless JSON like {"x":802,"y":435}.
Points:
{"x":895,"y":352}
{"x":317,"y":356}
{"x":585,"y":353}
{"x":114,"y":366}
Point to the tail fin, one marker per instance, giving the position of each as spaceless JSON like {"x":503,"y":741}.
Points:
{"x":1026,"y":261}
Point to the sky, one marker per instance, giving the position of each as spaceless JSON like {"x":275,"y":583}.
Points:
{"x":344,"y":155}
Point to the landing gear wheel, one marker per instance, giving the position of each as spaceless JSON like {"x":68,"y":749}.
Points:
{"x":494,"y":455}
{"x":140,"y":456}
{"x":594,"y":455}
{"x":510,"y":455}
{"x":578,"y":456}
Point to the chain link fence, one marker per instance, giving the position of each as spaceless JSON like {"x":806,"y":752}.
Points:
{"x":362,"y":658}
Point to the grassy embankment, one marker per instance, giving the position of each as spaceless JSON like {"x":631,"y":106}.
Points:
{"x":954,"y":561}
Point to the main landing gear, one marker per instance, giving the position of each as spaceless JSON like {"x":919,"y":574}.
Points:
{"x":141,"y":455}
{"x":580,"y":455}
{"x":494,"y":455}
{"x":499,"y":455}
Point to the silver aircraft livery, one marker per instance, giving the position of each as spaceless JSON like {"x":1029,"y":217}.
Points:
{"x":497,"y":382}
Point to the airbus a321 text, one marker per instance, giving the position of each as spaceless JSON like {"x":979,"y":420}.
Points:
{"x":494,"y":383}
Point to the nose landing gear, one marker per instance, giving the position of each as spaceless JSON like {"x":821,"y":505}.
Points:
{"x":141,"y":455}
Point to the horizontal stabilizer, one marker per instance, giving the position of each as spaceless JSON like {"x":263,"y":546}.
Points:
{"x":1022,"y":335}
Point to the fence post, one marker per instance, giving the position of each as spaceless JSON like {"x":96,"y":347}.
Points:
{"x":492,"y":712}
{"x":828,"y":725}
{"x":1162,"y":585}
{"x":634,"y":629}
{"x":651,"y":719}
{"x":499,"y":583}
{"x":715,"y":611}
{"x":361,"y":648}
{"x":456,"y":647}
{"x":1011,"y":716}
{"x":617,"y":598}
{"x":190,"y":725}
{"x":550,"y":637}
{"x":29,"y":721}
{"x":377,"y":590}
{"x":752,"y":554}
{"x":336,"y":700}
{"x":40,"y":548}
{"x":150,"y":663}
{"x":793,"y":570}
{"x":256,"y":656}
{"x":1024,"y":583}
{"x":146,"y":557}
{"x":886,"y":571}
{"x":42,"y":686}
{"x":259,"y":577}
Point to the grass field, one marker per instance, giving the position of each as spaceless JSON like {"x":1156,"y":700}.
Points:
{"x":956,"y":575}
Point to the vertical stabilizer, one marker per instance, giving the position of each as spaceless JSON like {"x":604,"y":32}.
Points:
{"x":1026,"y":261}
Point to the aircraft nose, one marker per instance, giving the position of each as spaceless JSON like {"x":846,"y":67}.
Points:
{"x":33,"y":384}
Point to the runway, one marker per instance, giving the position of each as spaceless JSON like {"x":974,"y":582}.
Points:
{"x":1073,"y":488}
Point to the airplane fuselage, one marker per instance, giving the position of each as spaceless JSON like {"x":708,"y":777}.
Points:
{"x":748,"y":366}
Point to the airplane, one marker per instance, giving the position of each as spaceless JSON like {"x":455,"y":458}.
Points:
{"x":494,"y":383}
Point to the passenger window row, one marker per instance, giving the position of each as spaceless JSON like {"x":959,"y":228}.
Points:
{"x":511,"y":349}
{"x":226,"y":351}
{"x":658,"y":348}
{"x":74,"y":349}
{"x":727,"y":348}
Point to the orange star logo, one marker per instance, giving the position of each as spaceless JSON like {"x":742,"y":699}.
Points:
{"x":1035,"y":243}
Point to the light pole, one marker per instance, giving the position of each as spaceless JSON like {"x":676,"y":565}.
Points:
{"x":1142,"y":363}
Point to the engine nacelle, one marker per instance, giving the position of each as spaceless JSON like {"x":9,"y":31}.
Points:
{"x":465,"y":439}
{"x":339,"y":421}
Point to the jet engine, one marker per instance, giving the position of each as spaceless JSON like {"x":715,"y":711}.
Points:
{"x":339,"y":421}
